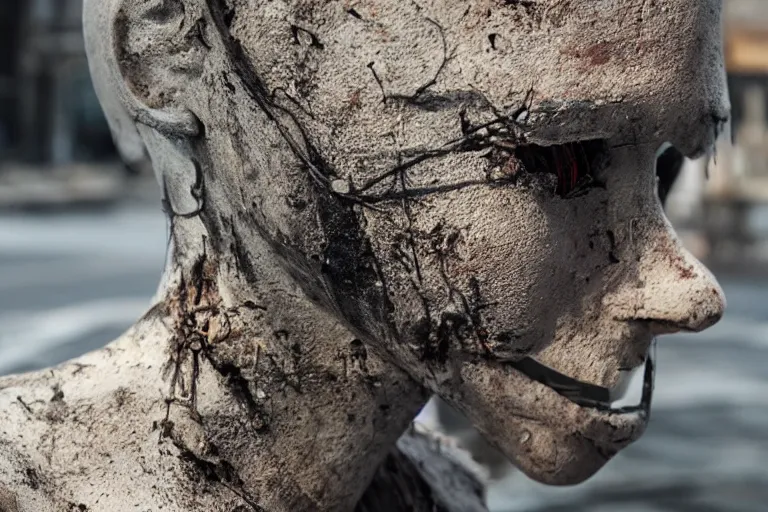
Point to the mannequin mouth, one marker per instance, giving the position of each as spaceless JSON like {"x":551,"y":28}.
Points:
{"x":590,"y":395}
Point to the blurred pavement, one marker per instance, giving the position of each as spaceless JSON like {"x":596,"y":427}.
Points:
{"x":71,"y":282}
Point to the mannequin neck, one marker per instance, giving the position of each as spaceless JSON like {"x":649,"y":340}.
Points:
{"x":285,"y":395}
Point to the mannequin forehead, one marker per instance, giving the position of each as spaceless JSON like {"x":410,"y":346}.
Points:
{"x":627,"y":71}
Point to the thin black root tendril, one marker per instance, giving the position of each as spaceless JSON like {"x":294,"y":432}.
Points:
{"x":571,"y":163}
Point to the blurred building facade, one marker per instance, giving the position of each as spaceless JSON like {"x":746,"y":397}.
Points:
{"x":746,"y":53}
{"x":721,"y":201}
{"x":49,"y":114}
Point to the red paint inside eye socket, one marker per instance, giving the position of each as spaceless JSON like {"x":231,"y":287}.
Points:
{"x":572,"y":163}
{"x":567,"y":168}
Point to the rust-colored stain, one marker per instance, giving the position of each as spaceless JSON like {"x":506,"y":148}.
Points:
{"x":684,"y":270}
{"x":598,"y":54}
{"x":594,"y":55}
{"x":354,"y":99}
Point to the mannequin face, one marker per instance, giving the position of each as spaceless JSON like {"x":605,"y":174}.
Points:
{"x":472,"y":188}
{"x":492,"y":241}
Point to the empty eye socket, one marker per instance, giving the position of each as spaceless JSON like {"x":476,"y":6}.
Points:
{"x":576,"y":164}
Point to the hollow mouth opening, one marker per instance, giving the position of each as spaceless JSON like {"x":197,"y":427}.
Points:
{"x":585,"y":394}
{"x":575,"y":165}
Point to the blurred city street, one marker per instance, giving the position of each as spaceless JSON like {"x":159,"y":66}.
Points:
{"x":72,"y":281}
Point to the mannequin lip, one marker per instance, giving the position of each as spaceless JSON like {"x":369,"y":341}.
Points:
{"x":607,"y":428}
{"x":578,"y":434}
{"x":584,"y":394}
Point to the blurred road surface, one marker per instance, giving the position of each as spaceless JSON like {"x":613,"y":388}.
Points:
{"x":71,"y":282}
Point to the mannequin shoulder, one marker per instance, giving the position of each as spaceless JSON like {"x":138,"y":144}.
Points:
{"x":86,"y":436}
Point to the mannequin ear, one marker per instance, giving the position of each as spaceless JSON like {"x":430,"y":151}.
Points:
{"x":147,"y":59}
{"x":145,"y":56}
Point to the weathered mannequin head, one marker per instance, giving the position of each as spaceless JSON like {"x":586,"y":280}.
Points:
{"x":466,"y":184}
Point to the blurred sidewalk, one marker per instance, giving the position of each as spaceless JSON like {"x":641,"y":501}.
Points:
{"x":24,"y":187}
{"x":71,"y":280}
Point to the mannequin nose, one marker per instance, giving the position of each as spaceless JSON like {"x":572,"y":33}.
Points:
{"x":693,"y":302}
{"x":674,"y":292}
